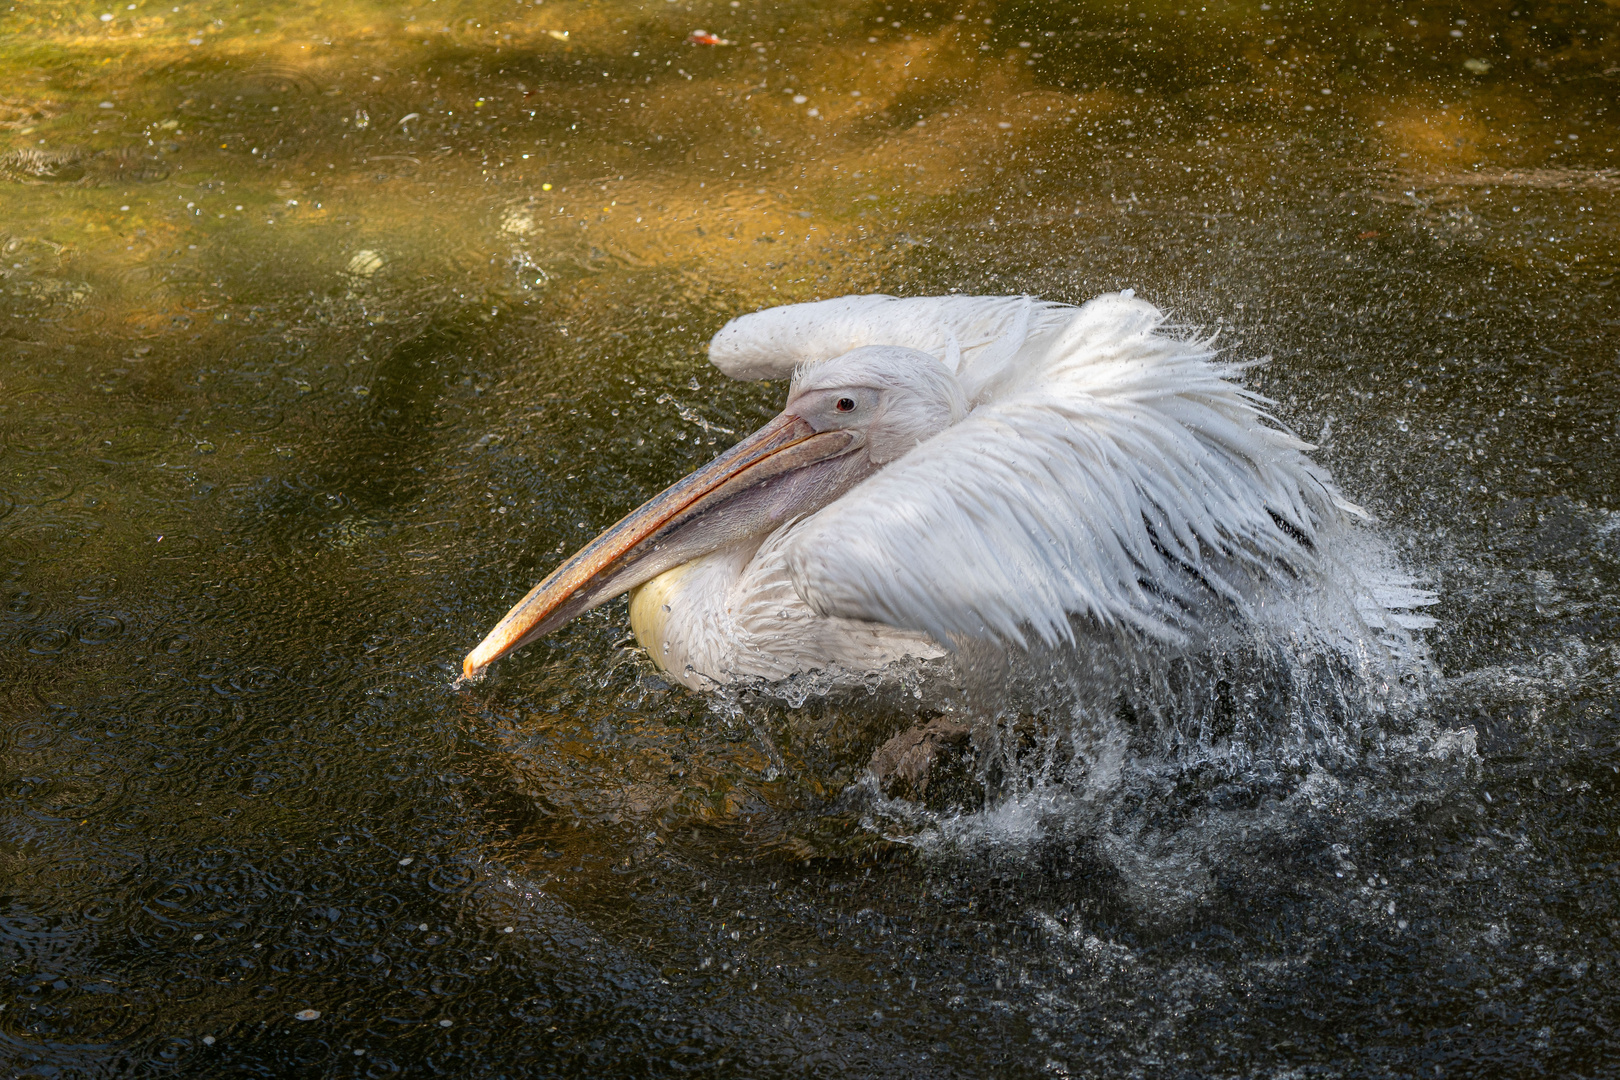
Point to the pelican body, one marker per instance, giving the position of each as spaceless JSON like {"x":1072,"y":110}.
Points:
{"x":951,"y":468}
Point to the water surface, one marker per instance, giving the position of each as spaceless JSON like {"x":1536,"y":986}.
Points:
{"x":328,"y":328}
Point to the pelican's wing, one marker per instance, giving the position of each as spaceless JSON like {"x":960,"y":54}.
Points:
{"x":975,"y":336}
{"x":1109,"y":477}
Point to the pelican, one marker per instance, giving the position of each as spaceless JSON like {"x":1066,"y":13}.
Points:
{"x":948,"y":469}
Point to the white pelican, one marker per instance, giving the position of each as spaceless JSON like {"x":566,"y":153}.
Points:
{"x":951,"y":468}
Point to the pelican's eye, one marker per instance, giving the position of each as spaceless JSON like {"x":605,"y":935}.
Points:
{"x":845,"y":404}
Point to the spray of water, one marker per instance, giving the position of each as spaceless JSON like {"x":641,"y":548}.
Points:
{"x":1159,"y":764}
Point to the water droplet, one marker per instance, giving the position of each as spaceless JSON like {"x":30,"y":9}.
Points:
{"x":517,"y":223}
{"x":364,"y":263}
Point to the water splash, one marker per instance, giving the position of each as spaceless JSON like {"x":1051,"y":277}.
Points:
{"x":1159,"y":765}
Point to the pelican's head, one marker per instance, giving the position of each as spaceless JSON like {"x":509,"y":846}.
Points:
{"x":888,"y":397}
{"x":845,"y":418}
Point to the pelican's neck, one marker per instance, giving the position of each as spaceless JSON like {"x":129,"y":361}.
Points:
{"x":677,"y":616}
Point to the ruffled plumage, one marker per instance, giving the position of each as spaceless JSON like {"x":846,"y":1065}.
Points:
{"x":1106,"y":469}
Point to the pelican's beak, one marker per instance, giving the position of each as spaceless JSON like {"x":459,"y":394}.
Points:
{"x":777,"y":472}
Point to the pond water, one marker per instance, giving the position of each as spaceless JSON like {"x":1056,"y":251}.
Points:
{"x":329,"y":328}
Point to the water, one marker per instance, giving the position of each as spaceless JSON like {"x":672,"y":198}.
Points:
{"x":308,"y":373}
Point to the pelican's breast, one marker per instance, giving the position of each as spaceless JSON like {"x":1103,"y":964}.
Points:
{"x":681,"y":618}
{"x":735,"y":614}
{"x":650,"y":607}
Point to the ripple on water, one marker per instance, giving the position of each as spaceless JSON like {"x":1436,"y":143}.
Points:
{"x":32,"y":735}
{"x":83,"y":1015}
{"x":39,"y":486}
{"x":306,"y":959}
{"x":251,"y":419}
{"x":330,"y":501}
{"x":159,"y":321}
{"x":125,"y":165}
{"x":303,"y":482}
{"x":25,"y":929}
{"x":48,"y":541}
{"x":175,"y":898}
{"x":334,"y":401}
{"x":330,"y":882}
{"x":286,"y":780}
{"x":310,"y":1051}
{"x":240,"y":880}
{"x":97,"y":587}
{"x":452,"y":878}
{"x":187,"y":988}
{"x":467,"y":255}
{"x":240,"y":388}
{"x":300,"y":782}
{"x":32,"y":165}
{"x":277,"y":80}
{"x":99,"y":909}
{"x":249,"y":681}
{"x":177,"y":544}
{"x":204,"y":721}
{"x":404,"y":1007}
{"x":75,"y":306}
{"x":331,"y":670}
{"x":176,"y":644}
{"x":98,"y":628}
{"x":176,"y":911}
{"x":386,"y":690}
{"x":137,"y":278}
{"x":170,"y":774}
{"x":212,"y":669}
{"x":127,"y":443}
{"x":44,"y":641}
{"x":21,"y":605}
{"x":74,"y":799}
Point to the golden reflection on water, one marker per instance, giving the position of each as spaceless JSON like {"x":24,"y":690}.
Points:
{"x":786,"y":165}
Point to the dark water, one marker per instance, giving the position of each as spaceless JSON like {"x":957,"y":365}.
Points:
{"x":328,"y":329}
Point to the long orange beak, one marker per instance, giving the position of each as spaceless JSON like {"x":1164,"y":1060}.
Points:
{"x":666,"y":531}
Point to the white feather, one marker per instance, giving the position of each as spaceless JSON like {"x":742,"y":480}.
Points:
{"x":1105,"y":470}
{"x":771,"y":344}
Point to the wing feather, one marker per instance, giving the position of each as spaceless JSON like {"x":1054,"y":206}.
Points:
{"x":1108,"y":469}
